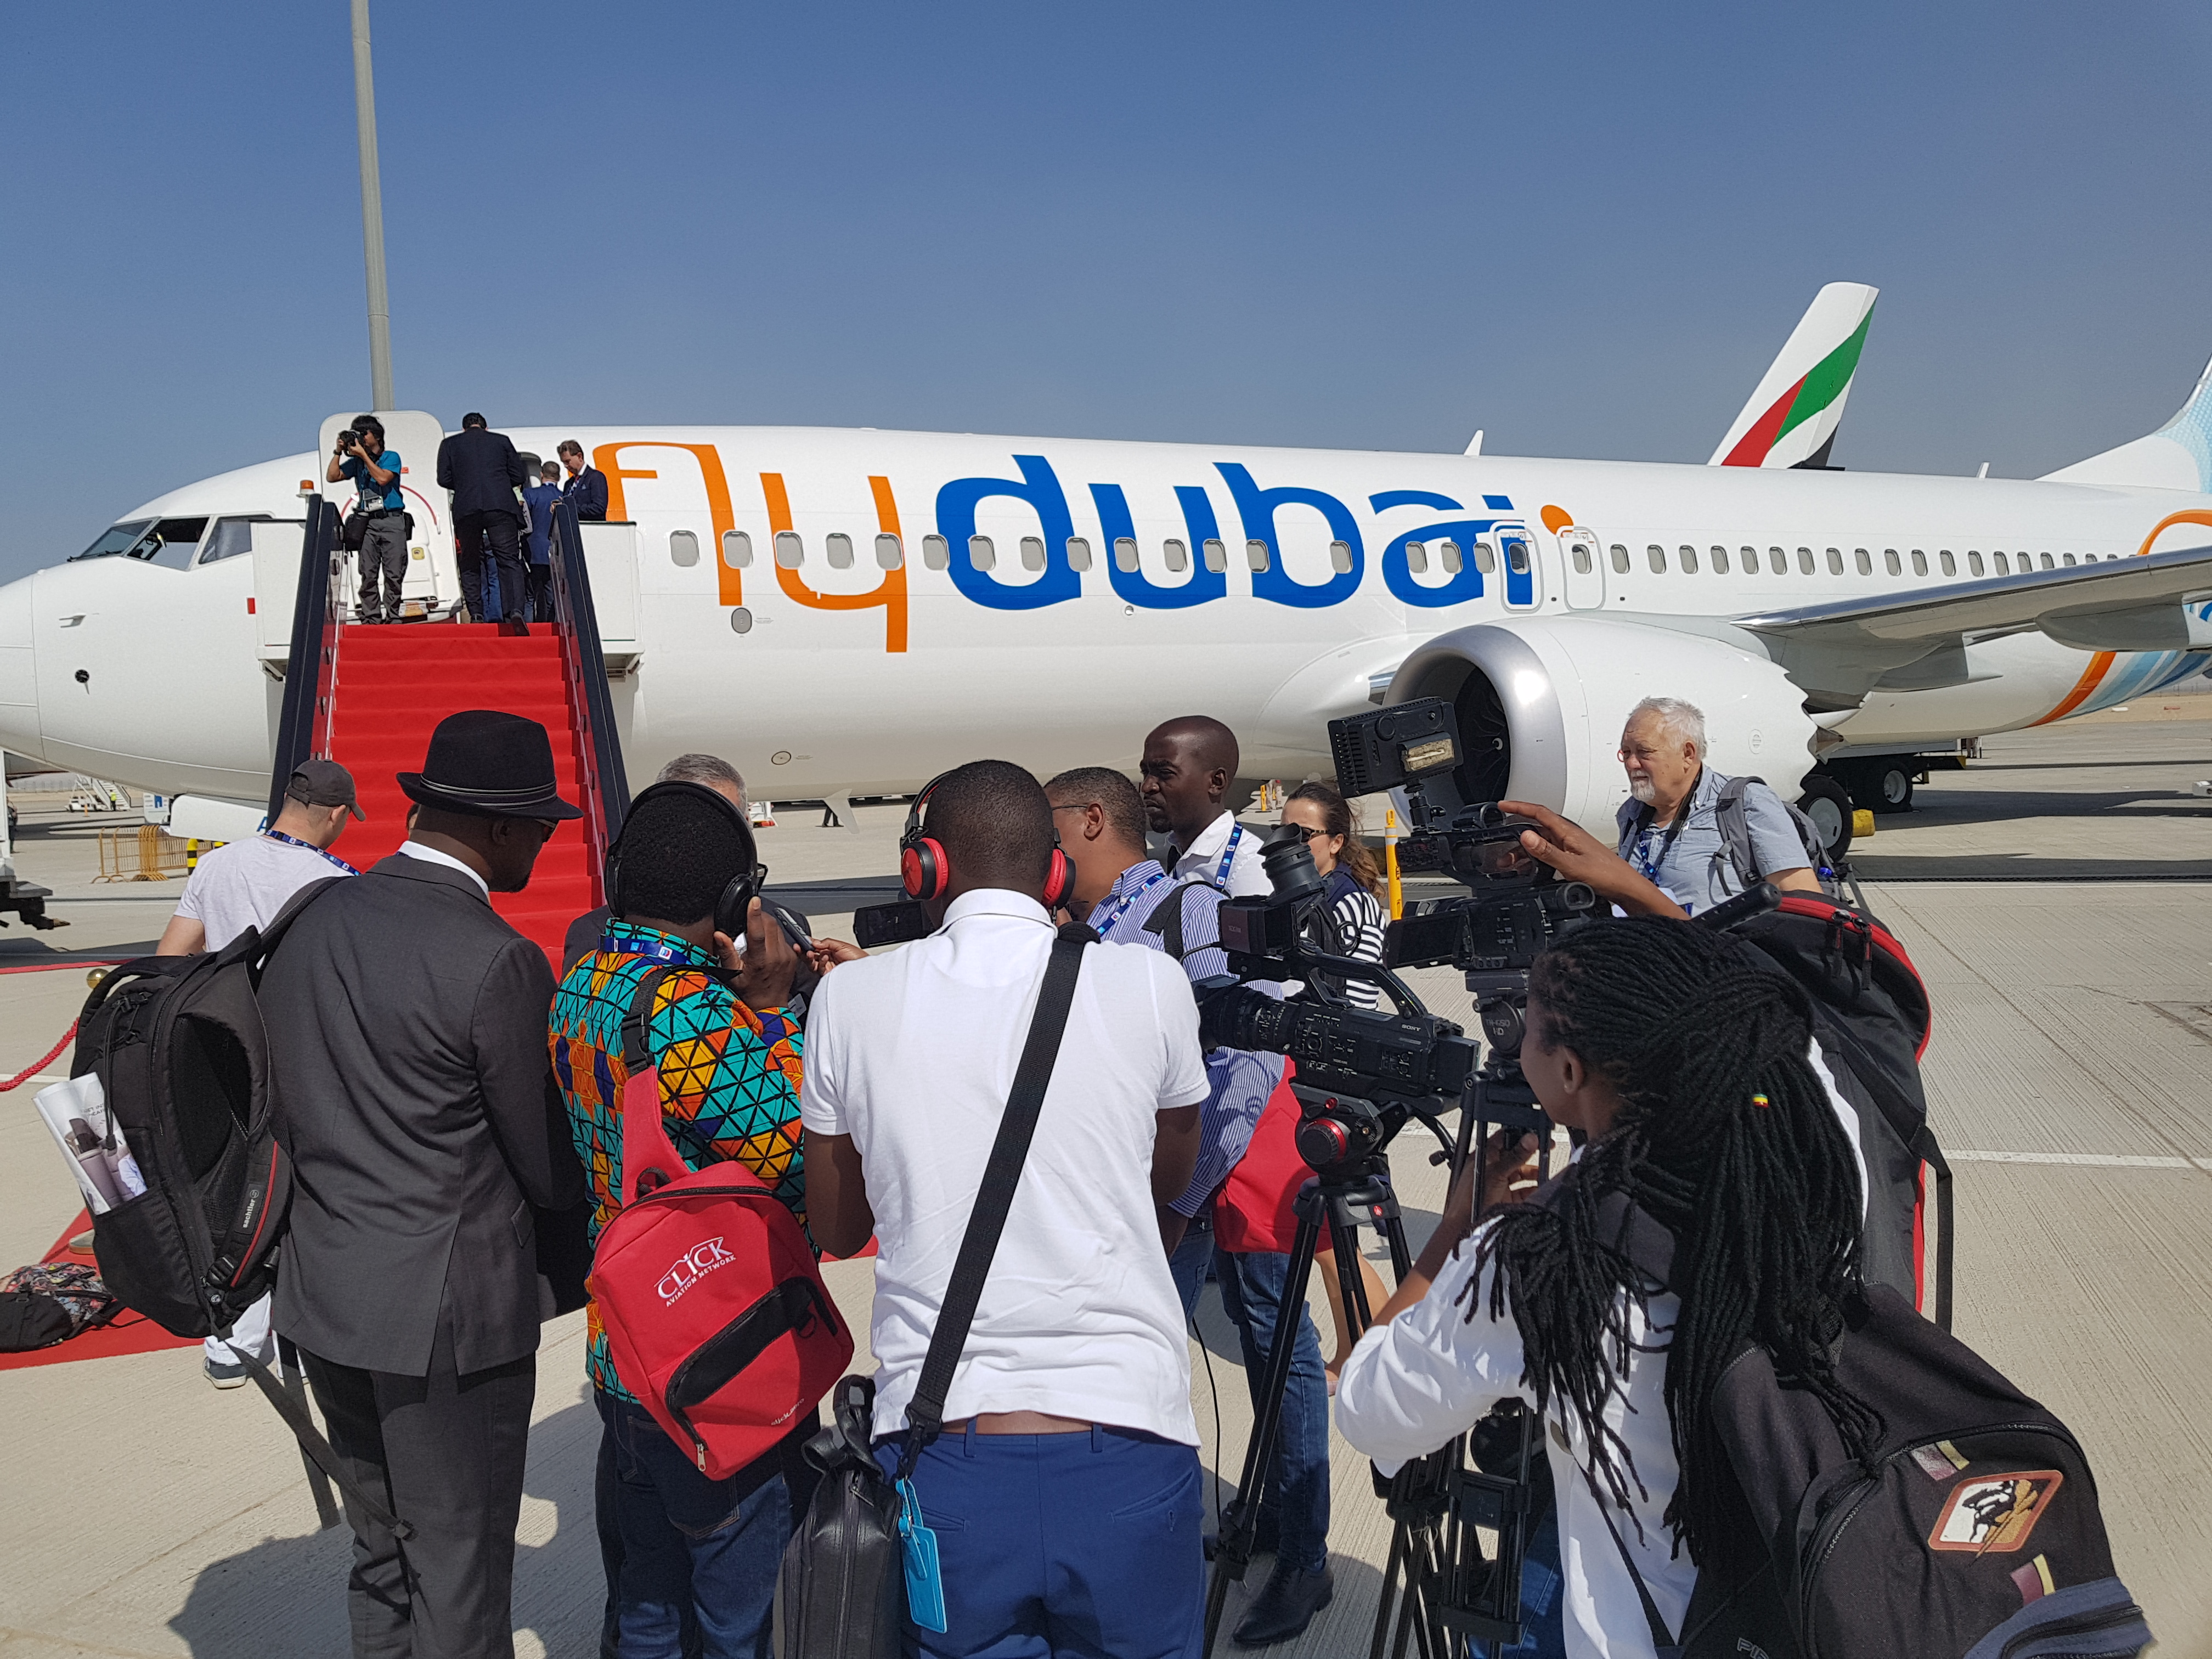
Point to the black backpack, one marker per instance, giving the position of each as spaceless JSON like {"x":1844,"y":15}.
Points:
{"x":1972,"y":1532}
{"x":183,"y":1061}
{"x":1871,"y":1023}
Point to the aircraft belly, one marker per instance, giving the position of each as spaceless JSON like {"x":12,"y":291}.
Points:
{"x":2035,"y":675}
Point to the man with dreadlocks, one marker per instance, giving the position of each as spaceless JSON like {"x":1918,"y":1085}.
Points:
{"x":1715,"y":1203}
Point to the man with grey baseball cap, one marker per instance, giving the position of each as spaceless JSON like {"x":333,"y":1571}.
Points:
{"x":242,"y":884}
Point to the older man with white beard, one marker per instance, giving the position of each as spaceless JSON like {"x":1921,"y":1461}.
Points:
{"x":1670,"y":827}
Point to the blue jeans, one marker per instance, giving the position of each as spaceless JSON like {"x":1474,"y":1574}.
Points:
{"x":1294,"y":1507}
{"x":1543,"y":1607}
{"x":1081,"y":1545}
{"x":710,"y":1546}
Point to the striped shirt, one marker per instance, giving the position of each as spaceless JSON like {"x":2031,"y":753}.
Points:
{"x":1238,"y":1083}
{"x":1352,"y":926}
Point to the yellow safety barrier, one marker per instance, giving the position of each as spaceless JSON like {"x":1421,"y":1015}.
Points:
{"x":1390,"y":862}
{"x":148,"y":853}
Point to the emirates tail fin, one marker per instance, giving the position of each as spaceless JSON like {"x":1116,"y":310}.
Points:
{"x":1793,"y":414}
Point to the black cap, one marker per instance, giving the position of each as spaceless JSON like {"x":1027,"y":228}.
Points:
{"x":493,"y":764}
{"x":323,"y":783}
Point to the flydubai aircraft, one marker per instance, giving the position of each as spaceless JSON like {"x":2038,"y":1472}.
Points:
{"x":846,"y":612}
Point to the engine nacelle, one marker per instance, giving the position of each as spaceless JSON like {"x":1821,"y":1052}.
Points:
{"x":1541,"y":699}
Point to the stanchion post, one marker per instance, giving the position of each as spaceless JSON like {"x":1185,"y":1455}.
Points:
{"x":1390,"y":833}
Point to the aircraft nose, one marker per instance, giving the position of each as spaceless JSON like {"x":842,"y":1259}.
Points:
{"x":19,"y":680}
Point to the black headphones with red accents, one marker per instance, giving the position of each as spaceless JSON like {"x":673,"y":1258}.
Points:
{"x":925,"y":869}
{"x":742,"y":889}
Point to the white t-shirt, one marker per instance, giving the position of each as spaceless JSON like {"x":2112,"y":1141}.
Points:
{"x":244,"y":884}
{"x":1245,"y":874}
{"x":912,"y":1054}
{"x":1433,"y":1372}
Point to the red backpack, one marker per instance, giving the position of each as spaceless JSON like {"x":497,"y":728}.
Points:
{"x":716,"y":1313}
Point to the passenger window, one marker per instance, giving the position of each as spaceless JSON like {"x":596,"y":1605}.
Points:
{"x":1950,"y":565}
{"x":936,"y":552}
{"x":736,"y":549}
{"x":982,"y":555}
{"x":1078,"y":553}
{"x":2069,"y":557}
{"x":2045,"y":558}
{"x":1176,"y":555}
{"x":1485,"y":559}
{"x":889,"y":554}
{"x":683,"y":547}
{"x":1255,"y":554}
{"x":1339,"y":557}
{"x":1687,"y":558}
{"x":1720,"y":561}
{"x":1582,"y":560}
{"x":1449,"y":557}
{"x":2004,"y":568}
{"x":790,"y":551}
{"x":1657,"y":555}
{"x":1865,"y":563}
{"x":1778,"y":562}
{"x":1215,"y":554}
{"x":1032,"y":552}
{"x":1889,"y":561}
{"x":1516,"y":558}
{"x":1619,"y":560}
{"x":1974,"y":561}
{"x":1417,"y":558}
{"x":1125,"y":554}
{"x":837,"y":548}
{"x":1919,"y":563}
{"x":1751,"y":562}
{"x":1835,"y":562}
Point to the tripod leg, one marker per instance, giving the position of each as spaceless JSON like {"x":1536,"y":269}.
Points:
{"x":1240,"y":1525}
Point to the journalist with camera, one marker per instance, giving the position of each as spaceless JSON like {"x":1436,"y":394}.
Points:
{"x":380,"y":515}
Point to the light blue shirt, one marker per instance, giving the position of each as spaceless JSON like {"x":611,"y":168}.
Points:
{"x":1238,"y":1083}
{"x":1687,"y":858}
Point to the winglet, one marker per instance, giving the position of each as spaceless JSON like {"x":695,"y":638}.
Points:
{"x":1793,"y":414}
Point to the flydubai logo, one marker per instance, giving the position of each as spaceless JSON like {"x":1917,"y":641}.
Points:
{"x":694,"y":1265}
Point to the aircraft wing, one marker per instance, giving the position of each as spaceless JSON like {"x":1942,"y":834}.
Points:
{"x":2157,"y":602}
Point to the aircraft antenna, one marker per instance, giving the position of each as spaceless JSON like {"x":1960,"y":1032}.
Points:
{"x":371,"y":215}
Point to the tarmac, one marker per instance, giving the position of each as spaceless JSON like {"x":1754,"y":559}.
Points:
{"x":2057,"y":895}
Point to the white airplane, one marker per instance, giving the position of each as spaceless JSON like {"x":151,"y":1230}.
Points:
{"x":846,"y":612}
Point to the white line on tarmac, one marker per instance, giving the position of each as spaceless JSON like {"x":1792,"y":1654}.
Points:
{"x":2089,"y":1160}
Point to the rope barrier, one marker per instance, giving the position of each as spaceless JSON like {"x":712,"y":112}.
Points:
{"x":39,"y":1065}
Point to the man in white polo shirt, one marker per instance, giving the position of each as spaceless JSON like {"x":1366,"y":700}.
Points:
{"x":242,"y":884}
{"x":1066,"y":1489}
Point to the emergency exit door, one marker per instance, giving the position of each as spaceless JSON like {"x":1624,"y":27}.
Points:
{"x":1582,"y":562}
{"x":1516,"y":555}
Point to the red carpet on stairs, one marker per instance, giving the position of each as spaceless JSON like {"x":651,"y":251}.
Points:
{"x":395,"y":682}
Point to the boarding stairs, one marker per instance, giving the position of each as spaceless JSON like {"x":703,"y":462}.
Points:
{"x":369,"y":696}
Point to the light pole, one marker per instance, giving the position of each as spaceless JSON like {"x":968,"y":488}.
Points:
{"x":371,"y":215}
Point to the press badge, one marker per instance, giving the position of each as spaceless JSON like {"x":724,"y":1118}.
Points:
{"x":925,"y":1585}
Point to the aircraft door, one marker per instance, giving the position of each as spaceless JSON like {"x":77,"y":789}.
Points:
{"x":1582,"y":564}
{"x":1516,"y":557}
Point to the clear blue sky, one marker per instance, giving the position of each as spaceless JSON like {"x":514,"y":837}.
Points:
{"x":1585,"y":228}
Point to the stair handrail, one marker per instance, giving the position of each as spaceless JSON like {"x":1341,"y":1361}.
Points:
{"x":303,"y":726}
{"x":605,"y":785}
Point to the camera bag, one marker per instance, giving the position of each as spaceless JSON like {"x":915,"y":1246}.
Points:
{"x":355,"y":530}
{"x":842,"y":1591}
{"x":716,"y":1313}
{"x":1871,"y":1023}
{"x":182,"y":1058}
{"x":1972,"y":1531}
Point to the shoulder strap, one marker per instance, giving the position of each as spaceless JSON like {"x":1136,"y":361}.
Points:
{"x":646,"y":1150}
{"x":924,"y":1414}
{"x":1638,"y":824}
{"x":254,"y":948}
{"x":1735,"y":825}
{"x":1662,"y":1640}
{"x":1165,"y":922}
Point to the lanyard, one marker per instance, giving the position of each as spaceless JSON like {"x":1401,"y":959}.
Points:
{"x":654,"y":950}
{"x":1129,"y":899}
{"x":1228,"y":855}
{"x":294,"y":841}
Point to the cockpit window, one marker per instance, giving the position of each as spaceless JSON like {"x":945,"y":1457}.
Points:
{"x":118,"y":538}
{"x":229,"y":537}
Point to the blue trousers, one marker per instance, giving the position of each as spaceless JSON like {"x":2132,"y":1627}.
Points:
{"x":1294,"y":1509}
{"x":1082,"y":1546}
{"x":688,"y":1544}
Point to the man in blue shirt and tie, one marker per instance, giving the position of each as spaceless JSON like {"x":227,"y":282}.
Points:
{"x":539,"y":500}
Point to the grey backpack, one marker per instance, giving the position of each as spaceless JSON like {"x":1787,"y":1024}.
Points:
{"x":1735,"y":825}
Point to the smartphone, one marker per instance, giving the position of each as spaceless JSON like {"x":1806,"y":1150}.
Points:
{"x":895,"y":923}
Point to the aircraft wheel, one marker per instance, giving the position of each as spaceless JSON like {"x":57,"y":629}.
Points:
{"x":1893,"y":785}
{"x":1828,"y":804}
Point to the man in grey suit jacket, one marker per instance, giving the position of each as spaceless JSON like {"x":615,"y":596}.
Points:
{"x":407,"y":1035}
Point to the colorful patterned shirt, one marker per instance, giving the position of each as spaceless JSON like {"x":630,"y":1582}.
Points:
{"x":729,"y":1078}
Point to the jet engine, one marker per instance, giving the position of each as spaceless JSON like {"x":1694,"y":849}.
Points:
{"x":1541,"y":701}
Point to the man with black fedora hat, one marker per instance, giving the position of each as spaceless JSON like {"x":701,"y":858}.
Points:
{"x":407,"y":1037}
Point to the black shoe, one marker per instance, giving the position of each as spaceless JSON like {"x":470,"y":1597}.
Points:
{"x":1285,"y":1605}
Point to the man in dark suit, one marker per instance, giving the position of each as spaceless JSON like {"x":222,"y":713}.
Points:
{"x":407,"y":1035}
{"x":585,"y":486}
{"x":481,"y":469}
